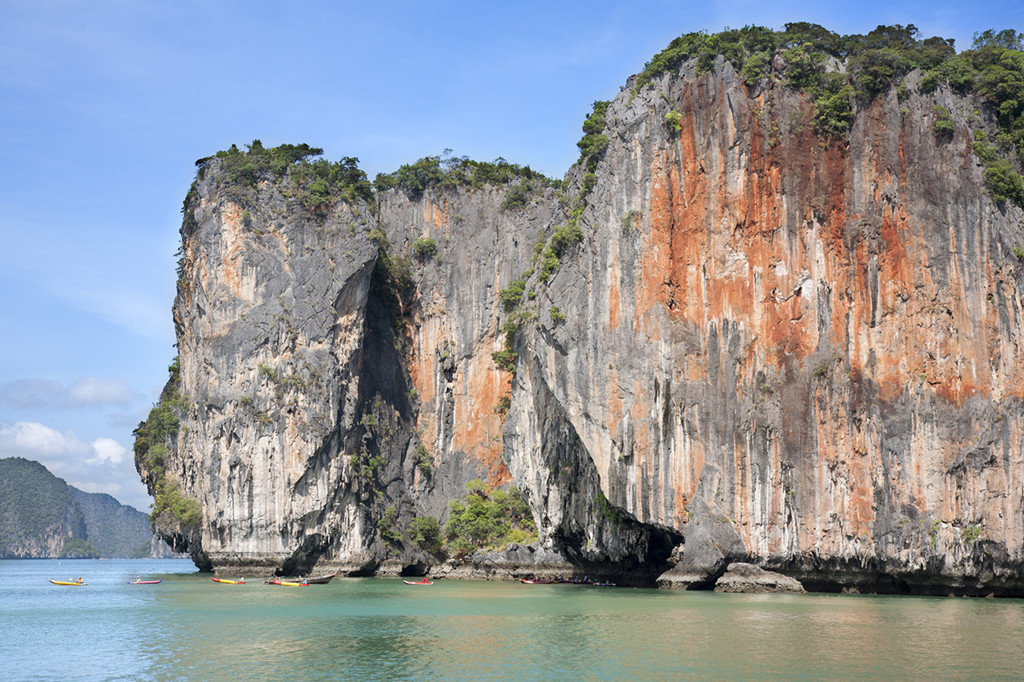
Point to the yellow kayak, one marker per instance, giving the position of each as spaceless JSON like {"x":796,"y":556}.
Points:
{"x":289,"y":583}
{"x":68,"y":582}
{"x":240,"y":581}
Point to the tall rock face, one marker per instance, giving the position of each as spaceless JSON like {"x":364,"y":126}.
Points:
{"x":279,"y":359}
{"x":805,"y":353}
{"x":760,"y":345}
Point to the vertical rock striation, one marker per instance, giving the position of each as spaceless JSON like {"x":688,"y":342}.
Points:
{"x":803,"y":353}
{"x":273,"y":338}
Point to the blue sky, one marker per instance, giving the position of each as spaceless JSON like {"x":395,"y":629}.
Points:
{"x":106,"y":104}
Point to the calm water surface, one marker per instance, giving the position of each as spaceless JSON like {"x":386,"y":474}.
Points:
{"x":190,"y":628}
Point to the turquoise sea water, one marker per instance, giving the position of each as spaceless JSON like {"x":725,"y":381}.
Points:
{"x":190,"y":628}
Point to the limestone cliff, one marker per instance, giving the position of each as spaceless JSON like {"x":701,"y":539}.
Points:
{"x":731,"y":336}
{"x":801,"y":352}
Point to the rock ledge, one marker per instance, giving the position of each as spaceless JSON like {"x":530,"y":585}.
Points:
{"x":750,"y":578}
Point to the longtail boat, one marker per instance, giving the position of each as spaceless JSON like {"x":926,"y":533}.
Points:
{"x":321,"y":580}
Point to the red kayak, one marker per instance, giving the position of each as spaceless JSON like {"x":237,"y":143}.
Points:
{"x":418,"y":582}
{"x":143,"y":582}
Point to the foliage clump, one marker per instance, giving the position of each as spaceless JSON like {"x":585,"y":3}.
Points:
{"x":77,"y":548}
{"x":387,"y":527}
{"x":366,"y":464}
{"x":594,"y":141}
{"x":317,"y":184}
{"x":449,"y":173}
{"x":512,"y":295}
{"x":563,"y":237}
{"x":943,"y":123}
{"x":1002,"y":180}
{"x":518,"y":196}
{"x":993,"y":69}
{"x":425,"y":532}
{"x":549,"y":255}
{"x":873,"y":61}
{"x":971,"y":533}
{"x":610,"y":513}
{"x":154,"y":437}
{"x":736,"y":45}
{"x":592,"y":147}
{"x":505,"y":359}
{"x":424,"y":248}
{"x":488,"y":519}
{"x":392,"y":278}
{"x":424,"y":460}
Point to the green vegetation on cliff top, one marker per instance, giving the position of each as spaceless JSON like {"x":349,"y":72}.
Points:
{"x":836,"y":71}
{"x":318,"y":184}
{"x":449,"y":172}
{"x":839,"y":71}
{"x":315,"y":183}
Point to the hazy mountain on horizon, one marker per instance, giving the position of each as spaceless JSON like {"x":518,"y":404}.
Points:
{"x":41,"y":516}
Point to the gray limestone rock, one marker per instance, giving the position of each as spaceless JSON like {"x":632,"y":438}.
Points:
{"x":740,"y":577}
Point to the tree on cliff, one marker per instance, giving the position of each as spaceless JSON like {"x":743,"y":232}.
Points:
{"x":488,"y":519}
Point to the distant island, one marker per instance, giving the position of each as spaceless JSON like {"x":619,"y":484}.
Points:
{"x":42,"y":517}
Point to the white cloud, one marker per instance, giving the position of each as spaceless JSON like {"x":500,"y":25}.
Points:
{"x":107,"y":450}
{"x":36,"y":441}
